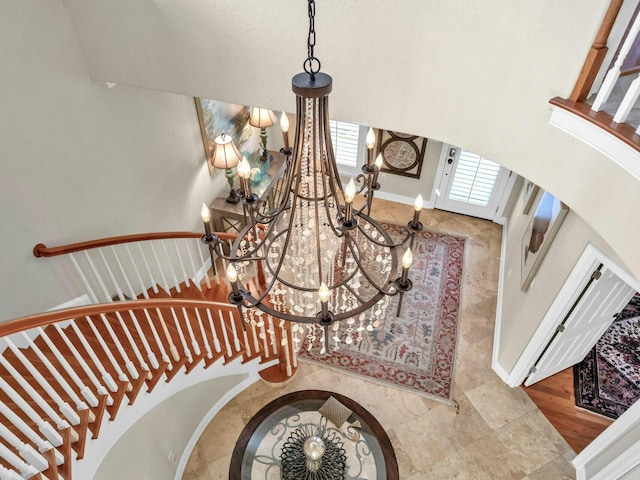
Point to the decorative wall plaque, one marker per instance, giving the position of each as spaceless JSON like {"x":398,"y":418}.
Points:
{"x":402,"y":154}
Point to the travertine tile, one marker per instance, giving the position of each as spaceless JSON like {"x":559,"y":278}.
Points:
{"x":499,"y":404}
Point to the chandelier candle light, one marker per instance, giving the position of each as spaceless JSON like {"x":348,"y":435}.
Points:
{"x":315,"y":258}
{"x":284,"y":126}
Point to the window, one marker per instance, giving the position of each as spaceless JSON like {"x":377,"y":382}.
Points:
{"x":474,"y":179}
{"x":346,"y":139}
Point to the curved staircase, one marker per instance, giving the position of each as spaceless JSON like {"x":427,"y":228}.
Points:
{"x":63,"y":374}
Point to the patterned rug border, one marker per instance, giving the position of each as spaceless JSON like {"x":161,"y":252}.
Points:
{"x":387,"y":383}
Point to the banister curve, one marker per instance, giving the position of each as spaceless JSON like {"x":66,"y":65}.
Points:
{"x":47,"y":318}
{"x":41,"y":250}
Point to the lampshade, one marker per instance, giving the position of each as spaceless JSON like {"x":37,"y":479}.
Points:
{"x":261,"y":118}
{"x":225,"y":153}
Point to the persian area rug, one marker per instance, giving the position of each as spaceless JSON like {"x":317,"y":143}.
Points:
{"x":607,"y":381}
{"x":417,"y":349}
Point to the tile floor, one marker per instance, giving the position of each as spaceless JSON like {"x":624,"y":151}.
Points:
{"x":499,"y":433}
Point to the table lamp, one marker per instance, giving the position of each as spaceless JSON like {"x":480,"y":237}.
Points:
{"x":227,"y":156}
{"x":262,"y":118}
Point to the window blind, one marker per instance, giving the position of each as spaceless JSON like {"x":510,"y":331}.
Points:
{"x":474,"y":180}
{"x":345,"y":139}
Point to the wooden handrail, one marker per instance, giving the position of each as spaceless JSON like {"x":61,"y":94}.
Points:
{"x":596,"y":54}
{"x":41,"y":250}
{"x":47,"y":318}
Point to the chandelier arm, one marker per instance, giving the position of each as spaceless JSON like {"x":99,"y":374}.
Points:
{"x":380,"y":229}
{"x":315,"y":194}
{"x":237,"y":241}
{"x":357,"y":297}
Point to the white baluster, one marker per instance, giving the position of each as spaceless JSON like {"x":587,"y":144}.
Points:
{"x":172,"y":348}
{"x":236,"y":340}
{"x":41,"y":402}
{"x":263,"y":334}
{"x":80,"y":405}
{"x":30,"y":454}
{"x":193,"y":265}
{"x":107,"y":350}
{"x":203,"y":262}
{"x":183,"y":341}
{"x":107,"y":297}
{"x":194,"y":344}
{"x":106,"y":376}
{"x":225,"y":334}
{"x":49,"y":432}
{"x":205,"y":339}
{"x":134,"y":346}
{"x":143,"y":289}
{"x":110,"y":383}
{"x":83,"y":278}
{"x":165,"y":284}
{"x":216,"y":342}
{"x":614,"y":73}
{"x":285,"y":344}
{"x":154,"y":284}
{"x":173,"y":271}
{"x":628,"y":101}
{"x":64,"y":407}
{"x":26,"y":470}
{"x":145,"y":343}
{"x":115,"y":284}
{"x":256,"y":344}
{"x":7,"y":474}
{"x":42,"y":444}
{"x":272,"y":332}
{"x":86,"y":392}
{"x":184,"y":272}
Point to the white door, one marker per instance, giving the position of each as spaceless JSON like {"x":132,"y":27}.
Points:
{"x":470,"y":184}
{"x":585,"y":323}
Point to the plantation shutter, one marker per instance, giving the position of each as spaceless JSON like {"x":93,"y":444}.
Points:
{"x":474,"y":180}
{"x":345,"y":137}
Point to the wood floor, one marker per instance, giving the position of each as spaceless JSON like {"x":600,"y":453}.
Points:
{"x":555,"y":398}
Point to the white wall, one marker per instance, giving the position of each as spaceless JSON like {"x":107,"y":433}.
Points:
{"x":79,"y":161}
{"x":142,"y":453}
{"x":522,"y":312}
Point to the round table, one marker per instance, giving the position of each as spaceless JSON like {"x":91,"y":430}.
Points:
{"x":257,"y":451}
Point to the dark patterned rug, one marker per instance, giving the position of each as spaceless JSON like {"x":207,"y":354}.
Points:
{"x":607,"y":381}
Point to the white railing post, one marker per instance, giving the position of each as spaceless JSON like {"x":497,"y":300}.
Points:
{"x":85,"y":391}
{"x":80,"y":405}
{"x":27,"y":452}
{"x":203,"y":262}
{"x":100,"y":389}
{"x":35,"y":396}
{"x":154,"y":284}
{"x":116,"y":285}
{"x":614,"y":73}
{"x":184,"y":272}
{"x":216,"y":342}
{"x":83,"y":279}
{"x":173,"y":270}
{"x":193,"y":265}
{"x":42,"y":444}
{"x":628,"y":101}
{"x":165,"y":284}
{"x":50,"y":433}
{"x":63,"y":406}
{"x":26,"y":470}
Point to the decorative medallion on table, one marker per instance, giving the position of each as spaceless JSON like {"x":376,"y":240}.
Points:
{"x":217,"y":117}
{"x":417,"y":349}
{"x":607,"y":381}
{"x":402,"y":154}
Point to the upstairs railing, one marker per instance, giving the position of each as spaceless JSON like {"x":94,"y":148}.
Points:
{"x":612,"y":106}
{"x":63,"y":372}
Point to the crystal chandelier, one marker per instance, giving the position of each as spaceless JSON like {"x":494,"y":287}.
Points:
{"x":311,"y":257}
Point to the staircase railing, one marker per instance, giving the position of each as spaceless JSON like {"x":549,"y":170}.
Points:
{"x":611,"y":113}
{"x":62,"y":373}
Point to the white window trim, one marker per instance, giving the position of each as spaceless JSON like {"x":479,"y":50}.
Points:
{"x":349,"y":171}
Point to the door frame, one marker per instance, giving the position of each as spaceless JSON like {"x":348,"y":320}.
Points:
{"x":498,"y":216}
{"x":588,"y":261}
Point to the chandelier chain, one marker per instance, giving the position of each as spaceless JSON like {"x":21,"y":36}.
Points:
{"x":311,"y":64}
